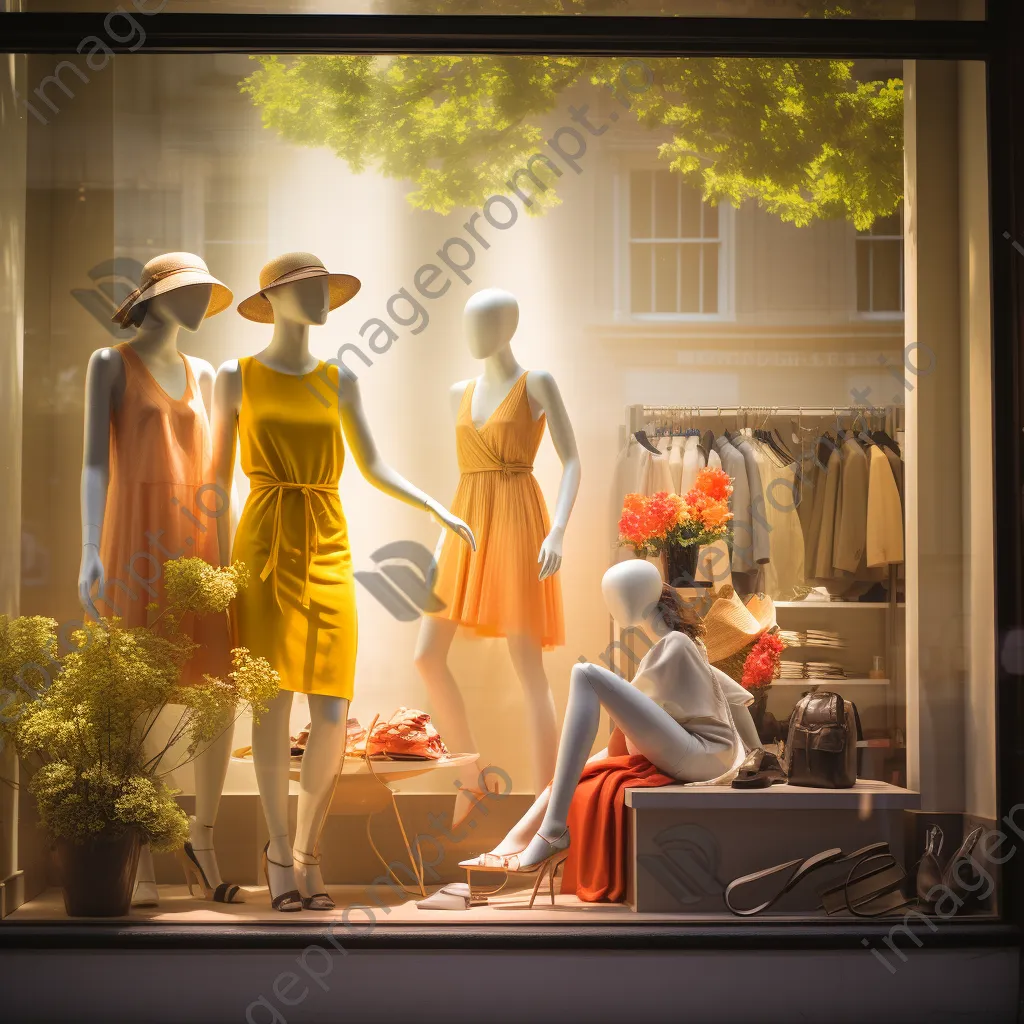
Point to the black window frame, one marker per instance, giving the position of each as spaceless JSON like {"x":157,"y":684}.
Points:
{"x":991,"y":40}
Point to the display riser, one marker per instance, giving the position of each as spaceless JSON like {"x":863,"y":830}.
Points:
{"x":683,"y":857}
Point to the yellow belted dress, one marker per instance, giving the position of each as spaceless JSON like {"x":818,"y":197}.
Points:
{"x":495,"y":590}
{"x":299,"y":610}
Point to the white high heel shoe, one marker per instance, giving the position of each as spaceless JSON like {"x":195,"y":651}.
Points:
{"x":509,"y":864}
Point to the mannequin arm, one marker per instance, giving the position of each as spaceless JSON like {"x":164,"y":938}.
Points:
{"x":227,"y":398}
{"x":376,"y":470}
{"x":206,"y":378}
{"x":104,"y":374}
{"x":542,"y":388}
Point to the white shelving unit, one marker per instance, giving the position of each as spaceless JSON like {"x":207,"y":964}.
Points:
{"x":834,"y":605}
{"x":832,"y":683}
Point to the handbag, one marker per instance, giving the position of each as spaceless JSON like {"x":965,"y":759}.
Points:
{"x":821,"y":744}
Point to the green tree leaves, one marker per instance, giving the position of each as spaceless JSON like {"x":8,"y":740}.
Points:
{"x":800,"y":138}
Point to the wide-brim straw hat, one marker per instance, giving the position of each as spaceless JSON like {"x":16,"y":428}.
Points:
{"x":295,"y":266}
{"x":732,"y":625}
{"x":168,"y":272}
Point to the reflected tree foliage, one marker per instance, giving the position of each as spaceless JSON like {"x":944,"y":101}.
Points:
{"x":803,"y":139}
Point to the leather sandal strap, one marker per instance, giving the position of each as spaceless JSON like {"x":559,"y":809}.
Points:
{"x":225,"y":893}
{"x":799,"y":869}
{"x":292,"y":896}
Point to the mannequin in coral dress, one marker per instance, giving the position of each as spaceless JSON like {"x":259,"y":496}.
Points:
{"x":147,"y":496}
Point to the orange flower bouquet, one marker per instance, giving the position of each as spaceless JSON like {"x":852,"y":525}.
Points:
{"x":652,"y":524}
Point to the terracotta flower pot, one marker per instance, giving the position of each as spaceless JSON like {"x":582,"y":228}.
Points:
{"x":97,"y":876}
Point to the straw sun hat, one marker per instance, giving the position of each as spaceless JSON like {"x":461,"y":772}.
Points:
{"x":732,"y":625}
{"x":164,"y":274}
{"x":295,"y":266}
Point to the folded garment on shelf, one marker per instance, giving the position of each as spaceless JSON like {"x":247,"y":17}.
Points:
{"x":824,"y":670}
{"x":811,"y":638}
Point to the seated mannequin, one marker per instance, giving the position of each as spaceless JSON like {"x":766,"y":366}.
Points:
{"x":688,"y":718}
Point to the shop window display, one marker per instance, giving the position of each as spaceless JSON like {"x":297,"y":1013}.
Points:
{"x":691,"y":584}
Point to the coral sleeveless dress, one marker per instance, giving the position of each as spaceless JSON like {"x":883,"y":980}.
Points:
{"x":495,"y":590}
{"x":160,"y":505}
{"x":299,"y":610}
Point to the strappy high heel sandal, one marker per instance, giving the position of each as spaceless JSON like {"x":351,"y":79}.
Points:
{"x":509,"y":865}
{"x":195,"y":876}
{"x":286,"y":902}
{"x":319,"y":900}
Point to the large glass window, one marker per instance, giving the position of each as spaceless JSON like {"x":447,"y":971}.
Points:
{"x":582,"y":282}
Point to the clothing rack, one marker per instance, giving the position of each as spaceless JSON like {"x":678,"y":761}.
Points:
{"x":639,"y":416}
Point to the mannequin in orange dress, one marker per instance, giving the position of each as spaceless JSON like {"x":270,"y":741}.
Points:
{"x":508,"y":587}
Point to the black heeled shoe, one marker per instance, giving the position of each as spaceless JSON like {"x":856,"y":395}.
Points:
{"x":319,"y":900}
{"x":760,"y":769}
{"x":929,"y":872}
{"x":287,"y":902}
{"x":226,"y":892}
{"x":934,"y":883}
{"x":952,"y":878}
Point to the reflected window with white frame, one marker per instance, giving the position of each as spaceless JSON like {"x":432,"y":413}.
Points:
{"x":677,"y":263}
{"x":880,"y":266}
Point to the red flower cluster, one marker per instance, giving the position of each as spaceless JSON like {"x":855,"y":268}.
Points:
{"x":762,"y":664}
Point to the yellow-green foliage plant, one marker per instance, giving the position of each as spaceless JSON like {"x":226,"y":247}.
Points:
{"x":82,"y":720}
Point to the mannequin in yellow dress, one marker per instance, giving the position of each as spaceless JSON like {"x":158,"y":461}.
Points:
{"x":288,"y":410}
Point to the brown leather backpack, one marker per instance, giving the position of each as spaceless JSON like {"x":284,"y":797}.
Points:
{"x":821,"y":744}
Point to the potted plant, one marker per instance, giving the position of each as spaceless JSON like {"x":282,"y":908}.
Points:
{"x":82,"y":722}
{"x":675,"y":526}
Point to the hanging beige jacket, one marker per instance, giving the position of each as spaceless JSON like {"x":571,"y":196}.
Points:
{"x":822,"y":525}
{"x":884,"y":535}
{"x":851,"y":508}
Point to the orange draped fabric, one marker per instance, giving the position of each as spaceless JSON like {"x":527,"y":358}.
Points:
{"x":596,"y":868}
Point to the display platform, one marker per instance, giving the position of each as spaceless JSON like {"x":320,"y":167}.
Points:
{"x":178,"y":908}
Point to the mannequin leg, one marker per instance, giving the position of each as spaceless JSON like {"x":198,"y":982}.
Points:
{"x":321,"y":764}
{"x":652,"y":731}
{"x":210,"y":766}
{"x":431,"y":661}
{"x":519,"y":836}
{"x":271,"y":750}
{"x":528,"y":662}
{"x":145,"y":893}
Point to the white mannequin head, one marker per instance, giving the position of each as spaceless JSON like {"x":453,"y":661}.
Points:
{"x":302,"y":302}
{"x":491,"y":318}
{"x":181,"y":307}
{"x":632,"y":590}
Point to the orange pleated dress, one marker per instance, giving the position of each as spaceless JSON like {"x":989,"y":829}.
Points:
{"x":161,"y":504}
{"x":299,"y":610}
{"x":495,"y":591}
